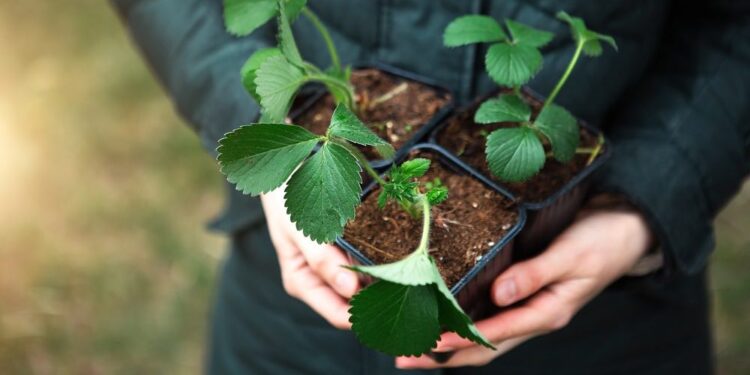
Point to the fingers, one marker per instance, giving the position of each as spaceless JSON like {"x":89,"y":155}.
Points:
{"x":301,"y":282}
{"x":327,"y":261}
{"x":526,"y":278}
{"x":472,"y":356}
{"x":328,"y":304}
{"x":544,"y":313}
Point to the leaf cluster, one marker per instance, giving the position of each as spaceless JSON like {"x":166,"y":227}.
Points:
{"x":402,"y":186}
{"x":517,"y":153}
{"x":273,"y":76}
{"x":324,"y":189}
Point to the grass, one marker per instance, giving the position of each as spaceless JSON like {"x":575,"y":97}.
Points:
{"x":105,"y":266}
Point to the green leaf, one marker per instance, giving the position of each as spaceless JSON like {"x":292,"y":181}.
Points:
{"x":437,"y":195}
{"x":340,"y":94}
{"x":514,"y":154}
{"x":346,"y":125}
{"x":561,"y":129}
{"x":242,"y":17}
{"x":507,"y":107}
{"x":323,"y":194}
{"x":396,"y":319}
{"x":512,"y":64}
{"x":418,"y":270}
{"x":527,"y":35}
{"x":453,"y":318}
{"x":591,"y":39}
{"x":293,"y":8}
{"x":286,"y":38}
{"x":259,"y":158}
{"x":436,"y":192}
{"x":277,"y":82}
{"x":414,"y":168}
{"x":382,"y":199}
{"x":472,"y":29}
{"x":415,"y":269}
{"x":251,"y":66}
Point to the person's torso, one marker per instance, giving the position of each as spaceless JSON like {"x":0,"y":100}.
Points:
{"x":409,"y":34}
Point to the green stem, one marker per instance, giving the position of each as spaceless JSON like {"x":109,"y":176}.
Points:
{"x":323,"y":78}
{"x":362,"y":159}
{"x":561,"y":82}
{"x":326,"y":36}
{"x":597,"y":150}
{"x":424,"y":241}
{"x":312,"y":69}
{"x":579,"y":150}
{"x":410,"y":208}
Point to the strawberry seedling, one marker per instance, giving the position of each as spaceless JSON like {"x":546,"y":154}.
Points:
{"x":403,"y":313}
{"x":517,"y":153}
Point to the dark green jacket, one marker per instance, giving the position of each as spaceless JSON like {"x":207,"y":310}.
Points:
{"x":675,"y":99}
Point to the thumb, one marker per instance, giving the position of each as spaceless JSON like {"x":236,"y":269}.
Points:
{"x":327,"y":261}
{"x":526,"y":278}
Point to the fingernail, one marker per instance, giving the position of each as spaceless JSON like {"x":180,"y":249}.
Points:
{"x":345,"y":282}
{"x":505,"y":293}
{"x":443,"y":349}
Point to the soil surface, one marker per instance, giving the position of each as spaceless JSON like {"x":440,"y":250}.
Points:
{"x":466,"y":139}
{"x":464,"y":227}
{"x":393,"y":107}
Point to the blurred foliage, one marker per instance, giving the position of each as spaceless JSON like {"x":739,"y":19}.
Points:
{"x":105,"y":266}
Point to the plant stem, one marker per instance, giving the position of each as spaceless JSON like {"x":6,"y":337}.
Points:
{"x":424,"y":241}
{"x":326,"y":79}
{"x":597,"y":150}
{"x":312,"y":68}
{"x":326,"y":36}
{"x":362,"y":159}
{"x":568,"y":70}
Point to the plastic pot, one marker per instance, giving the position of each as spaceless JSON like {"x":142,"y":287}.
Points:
{"x":472,"y":290}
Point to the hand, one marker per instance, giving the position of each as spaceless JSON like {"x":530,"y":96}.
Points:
{"x":598,"y":248}
{"x":310,"y":272}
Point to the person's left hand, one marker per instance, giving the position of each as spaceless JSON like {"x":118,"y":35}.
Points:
{"x":598,"y":248}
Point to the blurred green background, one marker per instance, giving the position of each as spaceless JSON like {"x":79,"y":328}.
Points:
{"x":105,"y":266}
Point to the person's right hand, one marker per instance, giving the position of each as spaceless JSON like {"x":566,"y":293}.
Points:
{"x":310,"y":272}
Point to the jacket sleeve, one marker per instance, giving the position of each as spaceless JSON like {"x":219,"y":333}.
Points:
{"x":681,"y":137}
{"x":196,"y":60}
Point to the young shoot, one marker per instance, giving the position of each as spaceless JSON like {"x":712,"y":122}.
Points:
{"x":516,"y":154}
{"x":274,"y":75}
{"x":407,"y":309}
{"x":403,"y":188}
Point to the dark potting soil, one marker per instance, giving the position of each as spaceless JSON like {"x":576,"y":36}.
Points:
{"x":464,"y":227}
{"x":466,"y":139}
{"x":410,"y":107}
